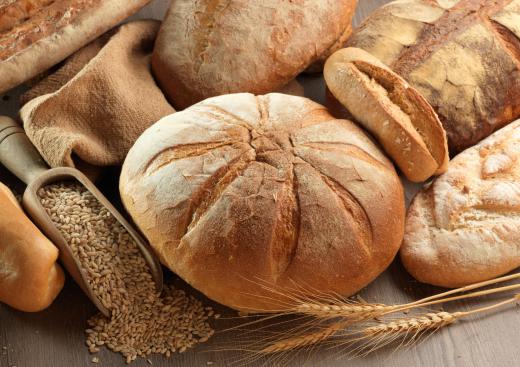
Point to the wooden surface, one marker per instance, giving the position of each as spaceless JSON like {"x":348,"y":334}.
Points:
{"x":54,"y":338}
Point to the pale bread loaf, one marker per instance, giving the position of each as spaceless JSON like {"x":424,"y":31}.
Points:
{"x":465,"y":227}
{"x":239,"y":189}
{"x":30,"y":277}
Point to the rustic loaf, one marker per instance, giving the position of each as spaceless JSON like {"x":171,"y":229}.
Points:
{"x":462,"y":55}
{"x":465,"y":227}
{"x":212,"y":47}
{"x":37,"y":34}
{"x":241,"y":189}
{"x":30,"y":278}
{"x":394,"y":112}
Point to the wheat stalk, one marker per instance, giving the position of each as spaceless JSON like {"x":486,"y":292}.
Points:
{"x":383,"y":333}
{"x":366,"y":311}
{"x":305,"y":340}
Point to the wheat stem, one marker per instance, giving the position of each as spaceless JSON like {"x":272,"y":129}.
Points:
{"x":466,"y":288}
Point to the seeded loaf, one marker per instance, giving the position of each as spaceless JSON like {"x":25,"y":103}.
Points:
{"x":465,"y":227}
{"x":30,"y":278}
{"x":37,"y":34}
{"x":463,"y":56}
{"x":239,"y":190}
{"x":212,"y":47}
{"x":395,"y":113}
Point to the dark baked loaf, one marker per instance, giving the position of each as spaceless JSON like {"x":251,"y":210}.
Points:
{"x":240,"y":189}
{"x":462,"y":55}
{"x":37,"y":34}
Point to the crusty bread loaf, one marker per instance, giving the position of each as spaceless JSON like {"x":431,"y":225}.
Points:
{"x":30,"y":278}
{"x":37,"y":34}
{"x":395,"y":113}
{"x":465,"y":227}
{"x":212,"y":47}
{"x":463,"y":56}
{"x":240,"y":189}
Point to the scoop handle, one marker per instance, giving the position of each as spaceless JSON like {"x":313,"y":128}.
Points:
{"x":17,"y":153}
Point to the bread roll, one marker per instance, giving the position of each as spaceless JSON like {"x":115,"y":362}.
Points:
{"x":462,"y":56}
{"x":30,"y":278}
{"x":465,"y":227}
{"x":37,"y":34}
{"x":212,"y":47}
{"x":240,"y":189}
{"x":395,"y":113}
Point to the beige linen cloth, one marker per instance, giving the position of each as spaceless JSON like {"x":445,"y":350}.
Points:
{"x":89,"y":112}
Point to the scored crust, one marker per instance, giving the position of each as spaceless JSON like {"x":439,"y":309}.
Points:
{"x":463,"y":56}
{"x":464,"y":228}
{"x":213,"y":47}
{"x":394,"y":112}
{"x":239,"y":189}
{"x":35,"y":35}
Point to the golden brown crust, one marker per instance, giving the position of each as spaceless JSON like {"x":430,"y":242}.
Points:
{"x":30,"y":278}
{"x":464,"y":228}
{"x":36,"y":35}
{"x":238,"y":189}
{"x":462,"y":55}
{"x":394,"y":112}
{"x":213,"y":47}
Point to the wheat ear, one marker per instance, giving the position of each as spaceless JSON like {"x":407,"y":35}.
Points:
{"x":305,"y":340}
{"x":367,"y":311}
{"x":429,"y":321}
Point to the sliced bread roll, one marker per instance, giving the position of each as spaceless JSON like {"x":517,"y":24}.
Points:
{"x":465,"y":227}
{"x":395,"y":113}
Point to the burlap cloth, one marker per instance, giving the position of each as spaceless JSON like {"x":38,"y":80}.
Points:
{"x":90,"y":111}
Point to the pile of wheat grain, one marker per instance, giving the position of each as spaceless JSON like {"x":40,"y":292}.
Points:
{"x":142,"y":321}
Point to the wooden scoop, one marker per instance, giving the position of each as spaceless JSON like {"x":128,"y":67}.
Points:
{"x":19,"y":155}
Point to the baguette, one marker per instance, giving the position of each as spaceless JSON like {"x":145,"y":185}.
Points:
{"x":37,"y":34}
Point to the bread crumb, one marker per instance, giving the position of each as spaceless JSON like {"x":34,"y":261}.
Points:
{"x":95,"y":360}
{"x":209,"y":363}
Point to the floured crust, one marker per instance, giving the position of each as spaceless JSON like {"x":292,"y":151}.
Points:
{"x":464,"y":228}
{"x":214,"y":47}
{"x":240,"y":188}
{"x":36,"y":35}
{"x":462,"y":55}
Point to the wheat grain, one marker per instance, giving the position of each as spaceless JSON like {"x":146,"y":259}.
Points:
{"x":142,"y":321}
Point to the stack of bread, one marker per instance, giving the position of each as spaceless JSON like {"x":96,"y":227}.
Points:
{"x":244,"y":190}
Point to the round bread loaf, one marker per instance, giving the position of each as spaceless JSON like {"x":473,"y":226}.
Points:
{"x":240,"y":193}
{"x":211,"y":47}
{"x":464,"y":228}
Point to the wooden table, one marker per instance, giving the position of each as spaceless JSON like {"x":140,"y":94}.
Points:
{"x":54,"y":338}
